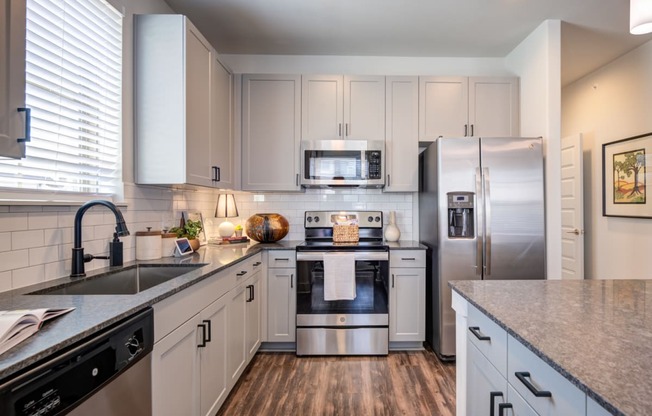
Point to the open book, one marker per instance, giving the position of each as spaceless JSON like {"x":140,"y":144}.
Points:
{"x":18,"y":325}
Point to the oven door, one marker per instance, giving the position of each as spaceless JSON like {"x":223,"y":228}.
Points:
{"x":343,"y":327}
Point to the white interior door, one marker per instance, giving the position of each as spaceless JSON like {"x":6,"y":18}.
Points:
{"x":572,"y":208}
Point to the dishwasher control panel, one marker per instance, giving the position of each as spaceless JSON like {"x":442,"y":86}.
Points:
{"x":67,"y":379}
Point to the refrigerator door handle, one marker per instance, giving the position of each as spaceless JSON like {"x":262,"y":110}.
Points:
{"x":479,"y":221}
{"x":487,"y":218}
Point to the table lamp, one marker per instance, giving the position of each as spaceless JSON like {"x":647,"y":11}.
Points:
{"x":226,"y":208}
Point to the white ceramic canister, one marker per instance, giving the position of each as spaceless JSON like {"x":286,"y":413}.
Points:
{"x":167,"y":244}
{"x":148,"y":245}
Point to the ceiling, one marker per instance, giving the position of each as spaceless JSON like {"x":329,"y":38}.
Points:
{"x":594,"y":32}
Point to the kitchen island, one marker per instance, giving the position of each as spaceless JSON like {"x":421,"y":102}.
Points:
{"x":596,"y":334}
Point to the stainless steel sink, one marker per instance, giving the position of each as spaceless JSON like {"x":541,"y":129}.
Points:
{"x":127,"y":281}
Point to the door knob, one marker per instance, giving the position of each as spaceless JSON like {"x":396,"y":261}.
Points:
{"x":575,"y":231}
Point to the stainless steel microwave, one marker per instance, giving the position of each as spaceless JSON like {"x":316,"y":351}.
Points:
{"x":328,"y":163}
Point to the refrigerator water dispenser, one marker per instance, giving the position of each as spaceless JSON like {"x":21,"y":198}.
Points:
{"x":460,"y":215}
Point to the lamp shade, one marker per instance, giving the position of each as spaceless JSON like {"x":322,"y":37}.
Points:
{"x":640,"y":17}
{"x":226,"y":207}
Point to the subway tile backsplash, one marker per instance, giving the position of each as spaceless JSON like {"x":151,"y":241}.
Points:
{"x":36,"y":241}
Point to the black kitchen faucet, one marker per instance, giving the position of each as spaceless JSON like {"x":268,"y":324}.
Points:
{"x":115,"y":247}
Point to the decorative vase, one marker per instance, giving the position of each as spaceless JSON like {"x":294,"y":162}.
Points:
{"x":392,"y":233}
{"x":267,"y":228}
{"x":194,"y":243}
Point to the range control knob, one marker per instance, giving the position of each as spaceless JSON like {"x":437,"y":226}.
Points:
{"x":370,"y":219}
{"x":309,"y":219}
{"x":316,"y":219}
{"x":377,"y":219}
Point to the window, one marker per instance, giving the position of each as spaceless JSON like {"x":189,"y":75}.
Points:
{"x":74,"y":88}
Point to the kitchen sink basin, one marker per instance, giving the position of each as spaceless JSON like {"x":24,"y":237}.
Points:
{"x":127,"y":281}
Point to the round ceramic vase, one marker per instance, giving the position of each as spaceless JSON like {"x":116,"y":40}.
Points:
{"x":267,"y":228}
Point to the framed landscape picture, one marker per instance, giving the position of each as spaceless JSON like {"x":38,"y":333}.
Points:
{"x":626,"y":165}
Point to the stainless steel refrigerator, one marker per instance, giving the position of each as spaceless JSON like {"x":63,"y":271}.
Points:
{"x":482,"y":216}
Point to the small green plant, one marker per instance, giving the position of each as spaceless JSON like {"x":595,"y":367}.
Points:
{"x":238,"y":227}
{"x":190,"y":229}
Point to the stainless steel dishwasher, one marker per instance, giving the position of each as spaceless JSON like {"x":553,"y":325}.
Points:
{"x":108,"y":373}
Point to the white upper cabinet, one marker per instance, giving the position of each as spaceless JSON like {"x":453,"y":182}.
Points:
{"x":222,"y":151}
{"x":175,"y":69}
{"x":271,"y":128}
{"x":461,"y":106}
{"x":402,"y":137}
{"x":12,"y":79}
{"x":343,"y":107}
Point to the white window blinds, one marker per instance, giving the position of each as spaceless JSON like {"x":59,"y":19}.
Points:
{"x":74,"y":88}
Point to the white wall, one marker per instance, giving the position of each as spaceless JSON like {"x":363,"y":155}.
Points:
{"x":536,"y":61}
{"x":610,"y":104}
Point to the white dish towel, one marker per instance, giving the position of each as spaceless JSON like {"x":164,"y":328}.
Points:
{"x":339,"y":276}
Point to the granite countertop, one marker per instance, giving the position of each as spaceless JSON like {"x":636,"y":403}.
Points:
{"x":405,"y":245}
{"x":95,"y":312}
{"x":596,"y":333}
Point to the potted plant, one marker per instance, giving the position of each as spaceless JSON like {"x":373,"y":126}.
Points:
{"x":238,"y":230}
{"x":189,"y":230}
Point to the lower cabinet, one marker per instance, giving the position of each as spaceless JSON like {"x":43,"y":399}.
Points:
{"x":281,"y":296}
{"x":407,"y":295}
{"x":486,"y":387}
{"x":203,"y":345}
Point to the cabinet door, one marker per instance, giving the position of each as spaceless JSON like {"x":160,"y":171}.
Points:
{"x":253,"y":323}
{"x":321,"y":107}
{"x":271,"y":106}
{"x":407,"y":305}
{"x":214,"y":384}
{"x":198,"y":104}
{"x":482,"y":380}
{"x":364,"y":107}
{"x":493,"y":107}
{"x":519,"y":406}
{"x":281,"y":304}
{"x":402,"y":134}
{"x":175,"y":372}
{"x":443,"y":107}
{"x":221,"y":126}
{"x":235,"y":349}
{"x":12,"y":77}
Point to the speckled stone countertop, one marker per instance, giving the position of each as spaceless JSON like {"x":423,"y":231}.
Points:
{"x":596,"y":333}
{"x":95,"y":312}
{"x":405,"y":245}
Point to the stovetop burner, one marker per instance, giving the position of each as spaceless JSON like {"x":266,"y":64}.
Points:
{"x":319,"y":231}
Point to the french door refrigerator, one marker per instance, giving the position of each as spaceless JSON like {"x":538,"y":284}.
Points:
{"x":481,"y":215}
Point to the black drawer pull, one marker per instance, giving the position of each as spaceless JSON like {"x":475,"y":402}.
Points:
{"x":256,"y":264}
{"x":408,"y":258}
{"x":522,"y":376}
{"x":208,"y":324}
{"x":492,"y":399}
{"x":242,"y":273}
{"x":203,"y":335}
{"x":282,"y":259}
{"x":475,"y":330}
{"x":502,"y":407}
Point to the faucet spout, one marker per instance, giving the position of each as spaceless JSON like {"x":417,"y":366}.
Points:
{"x":78,"y":258}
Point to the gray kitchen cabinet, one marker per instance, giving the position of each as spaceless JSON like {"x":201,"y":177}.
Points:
{"x":463,"y":106}
{"x":271,"y":132}
{"x":12,"y":78}
{"x":253,"y":326}
{"x":177,"y":141}
{"x":281,"y":296}
{"x":483,"y":379}
{"x":342,"y":107}
{"x":402,"y":134}
{"x":407,"y":299}
{"x":204,"y":338}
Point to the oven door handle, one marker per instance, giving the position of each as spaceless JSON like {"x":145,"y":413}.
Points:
{"x":358,"y":255}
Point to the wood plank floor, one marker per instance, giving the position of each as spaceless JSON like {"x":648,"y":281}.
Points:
{"x":403,"y":383}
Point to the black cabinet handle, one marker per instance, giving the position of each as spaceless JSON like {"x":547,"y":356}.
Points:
{"x":203,"y":335}
{"x":28,"y":124}
{"x":291,"y":281}
{"x":208,"y":324}
{"x":492,"y":399}
{"x":242,"y":273}
{"x":522,"y":376}
{"x":471,"y":129}
{"x":392,"y":279}
{"x":253,"y":292}
{"x":475,"y":330}
{"x":502,"y":407}
{"x":217,"y":175}
{"x":466,"y":130}
{"x":408,"y":258}
{"x":256,"y":264}
{"x":282,"y":259}
{"x":250,"y":288}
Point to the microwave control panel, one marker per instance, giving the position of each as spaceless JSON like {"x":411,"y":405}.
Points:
{"x":374,"y":164}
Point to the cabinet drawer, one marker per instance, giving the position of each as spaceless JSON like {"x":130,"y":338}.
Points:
{"x":256,"y":263}
{"x":407,"y":258}
{"x":282,"y":258}
{"x":519,"y":405}
{"x":489,"y":337}
{"x":528,"y":373}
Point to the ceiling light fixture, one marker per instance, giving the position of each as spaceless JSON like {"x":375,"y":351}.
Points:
{"x":640,"y":17}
